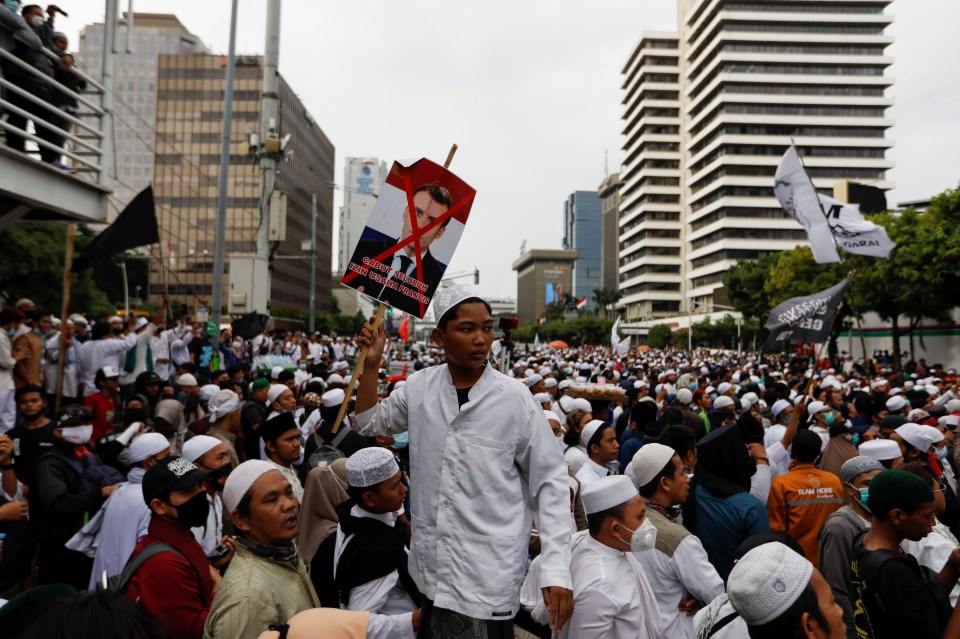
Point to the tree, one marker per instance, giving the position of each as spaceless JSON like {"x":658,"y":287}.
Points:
{"x":743,"y":285}
{"x":659,"y":336}
{"x":605,"y":298}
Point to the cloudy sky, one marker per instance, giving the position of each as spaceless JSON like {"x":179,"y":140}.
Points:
{"x":531,"y":93}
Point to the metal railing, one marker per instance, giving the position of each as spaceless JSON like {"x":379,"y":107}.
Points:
{"x":83,"y":143}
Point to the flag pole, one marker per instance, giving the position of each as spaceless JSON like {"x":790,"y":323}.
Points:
{"x":64,"y":313}
{"x":377,"y":321}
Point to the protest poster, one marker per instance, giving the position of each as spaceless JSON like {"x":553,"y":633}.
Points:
{"x":808,"y":318}
{"x":411,"y":236}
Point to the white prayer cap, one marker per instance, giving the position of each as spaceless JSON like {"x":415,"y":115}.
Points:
{"x":914,"y":435}
{"x":198,"y":446}
{"x":567,"y":403}
{"x":735,"y":378}
{"x":880,"y":449}
{"x":552,"y":416}
{"x":649,"y":461}
{"x":334,"y":397}
{"x":896,"y":403}
{"x":564,"y":384}
{"x":542,"y":398}
{"x":640,"y":384}
{"x":242,"y":478}
{"x":532,"y":380}
{"x":371,"y":466}
{"x":446,"y":298}
{"x":815,"y":407}
{"x":856,"y":466}
{"x":607,"y":492}
{"x":779,"y":406}
{"x":767,"y":581}
{"x":275,"y":392}
{"x":186,"y":380}
{"x":275,"y":372}
{"x":146,"y":445}
{"x":590,"y":430}
{"x":341,"y":366}
{"x":723,"y":388}
{"x":749,"y":399}
{"x":113,"y":318}
{"x":223,"y":403}
{"x":684,"y":396}
{"x":932,"y":390}
{"x":935,"y":434}
{"x":141,"y":322}
{"x":335,"y":379}
{"x":723,"y":401}
{"x":207,"y":391}
{"x":878,"y":383}
{"x":917,"y":415}
{"x":550,"y":382}
{"x":949,"y":421}
{"x":953,"y":406}
{"x":897,"y":391}
{"x":579,"y":402}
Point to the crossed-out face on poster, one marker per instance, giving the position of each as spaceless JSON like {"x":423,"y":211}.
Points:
{"x":411,"y":235}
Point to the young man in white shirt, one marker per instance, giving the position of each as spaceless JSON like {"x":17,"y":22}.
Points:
{"x":600,"y":440}
{"x":612,"y":597}
{"x":483,"y":461}
{"x":370,"y":556}
{"x":678,"y":568}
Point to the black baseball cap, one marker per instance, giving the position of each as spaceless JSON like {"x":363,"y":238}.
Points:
{"x":170,"y":474}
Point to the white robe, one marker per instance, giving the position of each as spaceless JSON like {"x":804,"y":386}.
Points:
{"x":612,"y":597}
{"x":209,"y":535}
{"x":590,"y":472}
{"x":125,"y":520}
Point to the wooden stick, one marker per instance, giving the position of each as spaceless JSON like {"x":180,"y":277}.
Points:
{"x":64,"y":314}
{"x":377,"y":321}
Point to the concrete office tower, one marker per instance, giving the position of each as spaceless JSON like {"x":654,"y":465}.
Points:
{"x":582,"y":233}
{"x":751,"y":78}
{"x":362,"y":180}
{"x":609,"y":193}
{"x":189,"y":126}
{"x":135,"y":93}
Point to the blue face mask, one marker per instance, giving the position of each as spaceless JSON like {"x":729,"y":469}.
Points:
{"x":864,"y":494}
{"x":13,"y":5}
{"x":11,"y":331}
{"x":829,"y":418}
{"x":693,"y":386}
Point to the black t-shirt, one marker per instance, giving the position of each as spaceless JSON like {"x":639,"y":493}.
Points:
{"x":893,"y":596}
{"x":463,"y":396}
{"x":28,"y":446}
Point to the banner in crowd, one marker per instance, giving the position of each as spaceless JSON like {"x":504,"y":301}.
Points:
{"x":798,"y":198}
{"x":620,"y":346}
{"x":852,"y":232}
{"x":411,"y":236}
{"x":808,"y":318}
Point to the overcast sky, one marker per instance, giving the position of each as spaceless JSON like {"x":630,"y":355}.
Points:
{"x":531,"y":93}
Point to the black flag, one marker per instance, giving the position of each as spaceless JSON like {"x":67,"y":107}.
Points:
{"x":135,"y":226}
{"x":808,"y":318}
{"x":249,"y":326}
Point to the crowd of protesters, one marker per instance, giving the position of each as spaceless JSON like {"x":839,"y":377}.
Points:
{"x":185,"y":489}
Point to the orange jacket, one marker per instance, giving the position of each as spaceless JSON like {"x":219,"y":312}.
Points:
{"x":800,"y":501}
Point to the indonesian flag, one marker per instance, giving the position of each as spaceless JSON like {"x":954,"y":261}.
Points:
{"x":582,"y":302}
{"x":170,"y":255}
{"x":404,"y":330}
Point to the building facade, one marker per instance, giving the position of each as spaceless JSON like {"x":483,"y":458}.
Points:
{"x":135,"y":93}
{"x":189,"y":122}
{"x":543,"y":276}
{"x":362,"y":180}
{"x":582,"y":232}
{"x":609,"y":194}
{"x":709,"y":111}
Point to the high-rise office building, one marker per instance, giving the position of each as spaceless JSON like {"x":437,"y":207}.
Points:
{"x":189,"y":124}
{"x":363,"y":178}
{"x":609,"y":194}
{"x":135,"y":93}
{"x":582,"y":233}
{"x":709,"y":111}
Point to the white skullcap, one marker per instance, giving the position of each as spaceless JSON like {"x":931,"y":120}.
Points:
{"x":723,"y":401}
{"x":914,"y":435}
{"x":896,"y":403}
{"x":146,"y":445}
{"x":275,"y":372}
{"x":936,"y":435}
{"x":334,"y":397}
{"x":542,"y":398}
{"x":579,"y":402}
{"x":341,"y":366}
{"x":532,"y":380}
{"x":779,"y":406}
{"x":953,"y":406}
{"x":897,"y":391}
{"x":186,"y":380}
{"x":335,"y":379}
{"x":198,"y":446}
{"x":640,"y":384}
{"x":241,"y":479}
{"x":207,"y":391}
{"x":749,"y":399}
{"x":564,"y":384}
{"x":815,"y":407}
{"x":856,"y":466}
{"x":723,"y":388}
{"x":222,"y":403}
{"x":141,"y":322}
{"x":113,"y":318}
{"x":550,"y":382}
{"x":371,"y":466}
{"x":735,"y":378}
{"x":684,"y":396}
{"x":567,"y":403}
{"x":949,"y":421}
{"x":552,"y":416}
{"x":649,"y":461}
{"x":607,"y":492}
{"x":880,"y":449}
{"x":917,"y":415}
{"x":766,"y":582}
{"x":590,"y":430}
{"x":446,"y":298}
{"x":275,"y":392}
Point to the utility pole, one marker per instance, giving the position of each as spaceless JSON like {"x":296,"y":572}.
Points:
{"x":106,"y":76}
{"x":269,"y":127}
{"x":313,"y":265}
{"x":218,"y":256}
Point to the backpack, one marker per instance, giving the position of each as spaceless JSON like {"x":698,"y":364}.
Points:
{"x":93,"y":475}
{"x":327,"y":453}
{"x":118,"y":583}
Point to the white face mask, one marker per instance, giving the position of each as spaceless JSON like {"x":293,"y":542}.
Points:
{"x":37,"y":21}
{"x":77,"y":434}
{"x":643,"y":538}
